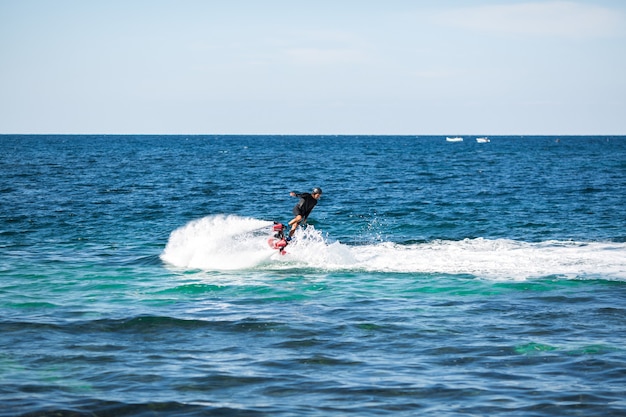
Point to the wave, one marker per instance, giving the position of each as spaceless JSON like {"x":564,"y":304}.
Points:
{"x":96,"y":406}
{"x":230,"y":243}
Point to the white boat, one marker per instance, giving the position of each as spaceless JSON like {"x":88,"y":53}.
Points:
{"x":457,"y":139}
{"x":482,"y":140}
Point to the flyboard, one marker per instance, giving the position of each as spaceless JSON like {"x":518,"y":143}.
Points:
{"x":278,"y":239}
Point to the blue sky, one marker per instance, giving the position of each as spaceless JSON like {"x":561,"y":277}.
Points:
{"x":446,"y":67}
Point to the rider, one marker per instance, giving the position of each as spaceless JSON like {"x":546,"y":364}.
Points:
{"x":304,"y":207}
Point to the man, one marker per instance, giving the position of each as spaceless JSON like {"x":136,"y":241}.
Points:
{"x":304,"y":207}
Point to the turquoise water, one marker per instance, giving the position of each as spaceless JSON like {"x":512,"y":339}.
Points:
{"x":435,"y":278}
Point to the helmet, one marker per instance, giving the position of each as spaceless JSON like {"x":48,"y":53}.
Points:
{"x":316,"y":190}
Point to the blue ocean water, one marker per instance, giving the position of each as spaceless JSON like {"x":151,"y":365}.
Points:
{"x":435,"y":278}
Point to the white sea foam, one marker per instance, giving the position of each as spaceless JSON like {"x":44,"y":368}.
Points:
{"x":221,"y":243}
{"x":500,"y":258}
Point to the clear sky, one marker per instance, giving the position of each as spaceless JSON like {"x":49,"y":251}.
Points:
{"x":483,"y":67}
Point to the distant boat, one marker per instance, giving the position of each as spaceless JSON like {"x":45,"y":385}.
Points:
{"x":457,"y":139}
{"x":482,"y":140}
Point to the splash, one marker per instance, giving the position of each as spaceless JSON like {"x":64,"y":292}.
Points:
{"x":220,"y":243}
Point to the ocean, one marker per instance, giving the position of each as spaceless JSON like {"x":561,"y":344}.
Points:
{"x":434,"y":278}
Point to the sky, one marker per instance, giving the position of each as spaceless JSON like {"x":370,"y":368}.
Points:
{"x":386,"y":67}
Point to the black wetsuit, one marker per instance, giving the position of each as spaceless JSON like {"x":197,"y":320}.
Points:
{"x":305,"y":205}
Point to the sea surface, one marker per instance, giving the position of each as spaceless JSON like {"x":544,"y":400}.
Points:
{"x":434,"y":278}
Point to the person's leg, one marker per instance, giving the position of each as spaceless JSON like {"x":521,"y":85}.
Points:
{"x":294,"y":224}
